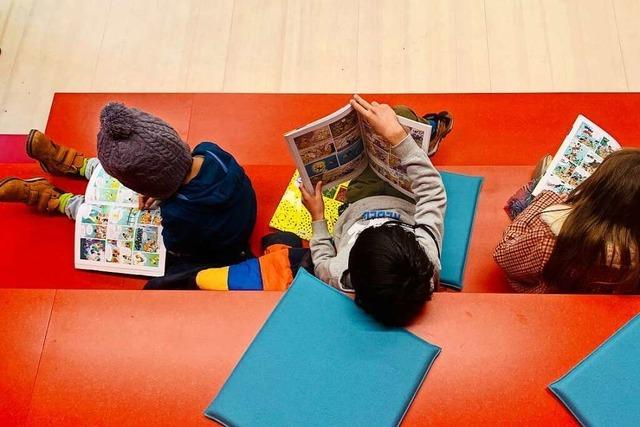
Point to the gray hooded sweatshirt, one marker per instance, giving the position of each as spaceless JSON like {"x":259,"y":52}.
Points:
{"x":331,"y":254}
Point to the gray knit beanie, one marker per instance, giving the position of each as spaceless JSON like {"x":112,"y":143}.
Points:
{"x":142,"y":151}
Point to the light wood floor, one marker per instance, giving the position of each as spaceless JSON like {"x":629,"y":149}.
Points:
{"x":310,"y":46}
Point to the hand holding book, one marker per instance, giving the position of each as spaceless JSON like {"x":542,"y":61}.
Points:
{"x":313,"y":202}
{"x":382,"y":119}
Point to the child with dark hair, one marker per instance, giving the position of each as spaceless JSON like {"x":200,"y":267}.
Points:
{"x":386,"y":246}
{"x":207,"y":202}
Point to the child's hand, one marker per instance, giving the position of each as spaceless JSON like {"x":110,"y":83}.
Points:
{"x":382,"y":119}
{"x":146,"y":202}
{"x":313,"y":202}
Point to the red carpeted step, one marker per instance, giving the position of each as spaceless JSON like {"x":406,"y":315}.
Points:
{"x":489,"y":129}
{"x":12,"y":149}
{"x":39,"y":249}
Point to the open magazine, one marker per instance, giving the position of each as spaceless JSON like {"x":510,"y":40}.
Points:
{"x":582,"y":151}
{"x":113,"y":235}
{"x":339,"y":147}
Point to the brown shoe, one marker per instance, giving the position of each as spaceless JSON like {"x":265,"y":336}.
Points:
{"x":34,"y":191}
{"x":441,"y":124}
{"x":55,"y":159}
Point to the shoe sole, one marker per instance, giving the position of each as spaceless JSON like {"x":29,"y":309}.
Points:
{"x":29,"y":180}
{"x":29,"y":149}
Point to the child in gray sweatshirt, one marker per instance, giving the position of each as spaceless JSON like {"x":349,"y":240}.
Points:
{"x":386,"y":246}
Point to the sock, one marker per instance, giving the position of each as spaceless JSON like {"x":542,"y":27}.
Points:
{"x":83,"y":169}
{"x":64,"y":200}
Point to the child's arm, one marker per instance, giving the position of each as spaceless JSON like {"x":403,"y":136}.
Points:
{"x":321,"y":244}
{"x":431,"y":199}
{"x":426,"y":183}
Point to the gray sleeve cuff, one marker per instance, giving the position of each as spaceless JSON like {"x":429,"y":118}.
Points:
{"x":406,"y":148}
{"x":320,"y":229}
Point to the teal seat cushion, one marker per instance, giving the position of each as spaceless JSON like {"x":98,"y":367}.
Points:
{"x":462,"y":199}
{"x":319,"y":360}
{"x":604,"y":389}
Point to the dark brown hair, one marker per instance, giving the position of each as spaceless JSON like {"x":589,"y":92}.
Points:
{"x":390,"y":274}
{"x":597,"y":248}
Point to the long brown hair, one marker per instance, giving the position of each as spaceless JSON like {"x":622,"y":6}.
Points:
{"x":597,"y":249}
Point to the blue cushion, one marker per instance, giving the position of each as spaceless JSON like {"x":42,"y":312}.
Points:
{"x":320,"y":360}
{"x":462,"y":199}
{"x":604,"y":389}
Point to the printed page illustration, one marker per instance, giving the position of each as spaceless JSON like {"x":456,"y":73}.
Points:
{"x":582,"y":151}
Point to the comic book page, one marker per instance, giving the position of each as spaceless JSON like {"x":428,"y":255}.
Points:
{"x":582,"y":151}
{"x":384,"y":163}
{"x":329,"y":150}
{"x":113,"y":235}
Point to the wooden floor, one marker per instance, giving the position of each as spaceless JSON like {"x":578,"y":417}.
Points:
{"x":310,"y":46}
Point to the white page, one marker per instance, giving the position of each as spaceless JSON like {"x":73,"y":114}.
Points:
{"x":582,"y":151}
{"x":329,"y":149}
{"x":384,"y":163}
{"x":113,"y":235}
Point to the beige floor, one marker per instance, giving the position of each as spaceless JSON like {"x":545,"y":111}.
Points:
{"x":310,"y":46}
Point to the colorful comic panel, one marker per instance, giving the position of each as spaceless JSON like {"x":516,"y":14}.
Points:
{"x":343,"y":171}
{"x":350,"y":153}
{"x":104,"y":180}
{"x":119,"y":252}
{"x":94,"y":231}
{"x":345,"y":124}
{"x":120,"y":232}
{"x":127,"y":196}
{"x":96,"y":215}
{"x":322,"y":166}
{"x":564,"y":170}
{"x":146,"y":259}
{"x":150,"y":217}
{"x":317,"y":152}
{"x":106,"y":194}
{"x":351,"y":137}
{"x":92,"y":250}
{"x":146,"y":239}
{"x":395,"y":163}
{"x":575,"y":153}
{"x":312,"y":138}
{"x":591,"y":162}
{"x":124,"y":216}
{"x":578,"y":176}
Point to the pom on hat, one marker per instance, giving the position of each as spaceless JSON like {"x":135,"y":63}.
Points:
{"x":117,"y":120}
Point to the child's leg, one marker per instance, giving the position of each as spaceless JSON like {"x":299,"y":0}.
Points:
{"x":54,"y":158}
{"x":70,"y":204}
{"x":40,"y":193}
{"x":89,"y":166}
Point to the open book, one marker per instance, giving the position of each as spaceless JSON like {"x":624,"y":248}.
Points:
{"x":113,"y":235}
{"x":339,"y":147}
{"x":582,"y":151}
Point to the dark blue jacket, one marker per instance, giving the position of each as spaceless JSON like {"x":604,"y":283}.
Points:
{"x":211,"y":218}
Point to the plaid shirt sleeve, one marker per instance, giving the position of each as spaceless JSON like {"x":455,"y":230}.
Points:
{"x":526,"y":246}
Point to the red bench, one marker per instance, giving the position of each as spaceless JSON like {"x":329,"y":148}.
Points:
{"x":498,"y":136}
{"x":159,"y":358}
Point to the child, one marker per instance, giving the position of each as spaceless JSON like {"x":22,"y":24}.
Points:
{"x":587,"y":242}
{"x":386,"y":246}
{"x":207,"y":202}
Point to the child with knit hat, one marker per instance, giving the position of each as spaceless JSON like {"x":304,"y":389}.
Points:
{"x":207,"y":202}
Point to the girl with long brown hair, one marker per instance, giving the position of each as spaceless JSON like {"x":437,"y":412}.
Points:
{"x":584,"y":243}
